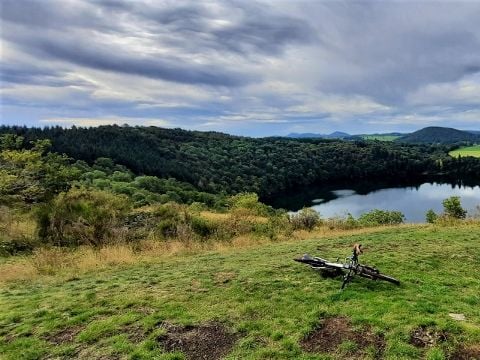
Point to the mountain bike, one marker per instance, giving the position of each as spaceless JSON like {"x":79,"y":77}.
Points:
{"x":347,"y":269}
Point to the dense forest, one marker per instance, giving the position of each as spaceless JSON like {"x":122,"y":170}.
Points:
{"x":219,"y":163}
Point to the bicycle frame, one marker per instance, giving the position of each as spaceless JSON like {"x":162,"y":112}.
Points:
{"x":348,"y":269}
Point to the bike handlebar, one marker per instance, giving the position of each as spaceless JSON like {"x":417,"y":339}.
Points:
{"x":357,"y":249}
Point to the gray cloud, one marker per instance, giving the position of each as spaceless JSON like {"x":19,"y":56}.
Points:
{"x":166,"y":68}
{"x":295,"y":66}
{"x":188,"y":27}
{"x":395,"y":47}
{"x":29,"y":74}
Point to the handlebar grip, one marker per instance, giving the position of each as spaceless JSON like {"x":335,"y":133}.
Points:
{"x":357,"y":249}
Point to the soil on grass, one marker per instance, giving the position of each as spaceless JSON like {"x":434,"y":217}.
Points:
{"x":135,"y":333}
{"x":332,"y":332}
{"x":467,"y":353}
{"x":65,"y":335}
{"x":210,"y":341}
{"x":424,"y":336}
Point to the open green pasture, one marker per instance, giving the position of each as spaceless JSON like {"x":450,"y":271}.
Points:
{"x":380,"y":137}
{"x":466,"y":151}
{"x":269,"y":302}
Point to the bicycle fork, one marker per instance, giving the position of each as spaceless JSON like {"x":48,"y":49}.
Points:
{"x":347,"y":277}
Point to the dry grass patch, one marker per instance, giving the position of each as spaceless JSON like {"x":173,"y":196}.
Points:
{"x":52,"y":261}
{"x":18,"y":269}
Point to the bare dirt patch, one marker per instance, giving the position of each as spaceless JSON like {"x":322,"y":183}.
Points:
{"x":424,"y":336}
{"x":467,"y":353}
{"x":210,"y":341}
{"x":9,"y":338}
{"x":65,"y":335}
{"x":333,"y":331}
{"x":224,"y":277}
{"x":135,"y":333}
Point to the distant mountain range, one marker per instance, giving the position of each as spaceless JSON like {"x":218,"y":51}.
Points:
{"x":432,"y":134}
{"x":334,"y":135}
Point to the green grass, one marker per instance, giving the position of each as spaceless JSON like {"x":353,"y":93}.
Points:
{"x":380,"y":137}
{"x":271,"y":301}
{"x":466,"y":151}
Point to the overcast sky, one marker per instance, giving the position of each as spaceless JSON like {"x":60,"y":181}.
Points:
{"x":242,"y":67}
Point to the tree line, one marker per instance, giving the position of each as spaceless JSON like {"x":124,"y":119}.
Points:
{"x":218,"y":163}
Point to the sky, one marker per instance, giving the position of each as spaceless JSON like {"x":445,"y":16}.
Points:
{"x":241,"y":67}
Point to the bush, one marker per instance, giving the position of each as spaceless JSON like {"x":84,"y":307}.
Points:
{"x":453,"y":208}
{"x":307,"y":219}
{"x":202,"y":227}
{"x":16,"y":246}
{"x":347,"y":222}
{"x":173,"y":221}
{"x":120,"y":176}
{"x":123,"y":188}
{"x":82,"y":217}
{"x":431,"y":216}
{"x":250,"y":202}
{"x":378,"y":217}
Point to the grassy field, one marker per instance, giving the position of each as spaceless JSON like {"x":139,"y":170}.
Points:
{"x":380,"y":137}
{"x":256,"y":303}
{"x":466,"y":151}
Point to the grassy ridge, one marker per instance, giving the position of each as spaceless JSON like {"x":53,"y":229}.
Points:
{"x":466,"y":151}
{"x":259,"y":293}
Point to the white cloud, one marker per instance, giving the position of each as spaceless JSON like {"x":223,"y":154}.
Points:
{"x":464,"y":91}
{"x":108,"y":120}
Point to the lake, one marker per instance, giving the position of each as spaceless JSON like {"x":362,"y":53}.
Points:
{"x":413,"y":201}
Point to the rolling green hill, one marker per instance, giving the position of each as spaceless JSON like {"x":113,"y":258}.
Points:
{"x":440,"y":135}
{"x":256,"y":303}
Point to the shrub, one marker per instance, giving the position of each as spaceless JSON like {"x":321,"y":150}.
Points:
{"x":453,"y":208}
{"x":431,"y":216}
{"x":167,"y":228}
{"x":202,"y":227}
{"x":381,"y":217}
{"x":82,"y":217}
{"x":171,"y":220}
{"x":248,"y":201}
{"x":307,"y":219}
{"x":123,"y":188}
{"x":120,"y":176}
{"x":16,"y":246}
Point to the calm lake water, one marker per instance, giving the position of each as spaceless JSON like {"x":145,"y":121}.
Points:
{"x":412,"y":201}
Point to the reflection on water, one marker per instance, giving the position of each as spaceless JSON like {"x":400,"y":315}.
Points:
{"x":341,"y":193}
{"x":412,"y":201}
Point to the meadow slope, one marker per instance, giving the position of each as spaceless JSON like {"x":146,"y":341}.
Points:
{"x":473,"y":151}
{"x":256,"y":303}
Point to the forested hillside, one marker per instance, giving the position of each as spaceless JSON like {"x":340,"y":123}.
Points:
{"x":441,"y":135}
{"x":216,"y":162}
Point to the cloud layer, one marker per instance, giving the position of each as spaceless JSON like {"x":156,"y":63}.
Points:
{"x":255,"y":68}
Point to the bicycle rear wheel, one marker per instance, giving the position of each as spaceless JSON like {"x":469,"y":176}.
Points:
{"x":376,"y":275}
{"x":388,"y":278}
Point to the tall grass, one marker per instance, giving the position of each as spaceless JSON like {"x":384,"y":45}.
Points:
{"x":55,"y":261}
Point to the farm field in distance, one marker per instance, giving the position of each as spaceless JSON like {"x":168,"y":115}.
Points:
{"x":256,"y":303}
{"x":466,"y":151}
{"x":380,"y":137}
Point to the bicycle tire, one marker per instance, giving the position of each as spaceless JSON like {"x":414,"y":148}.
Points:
{"x":376,"y":275}
{"x":388,"y":278}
